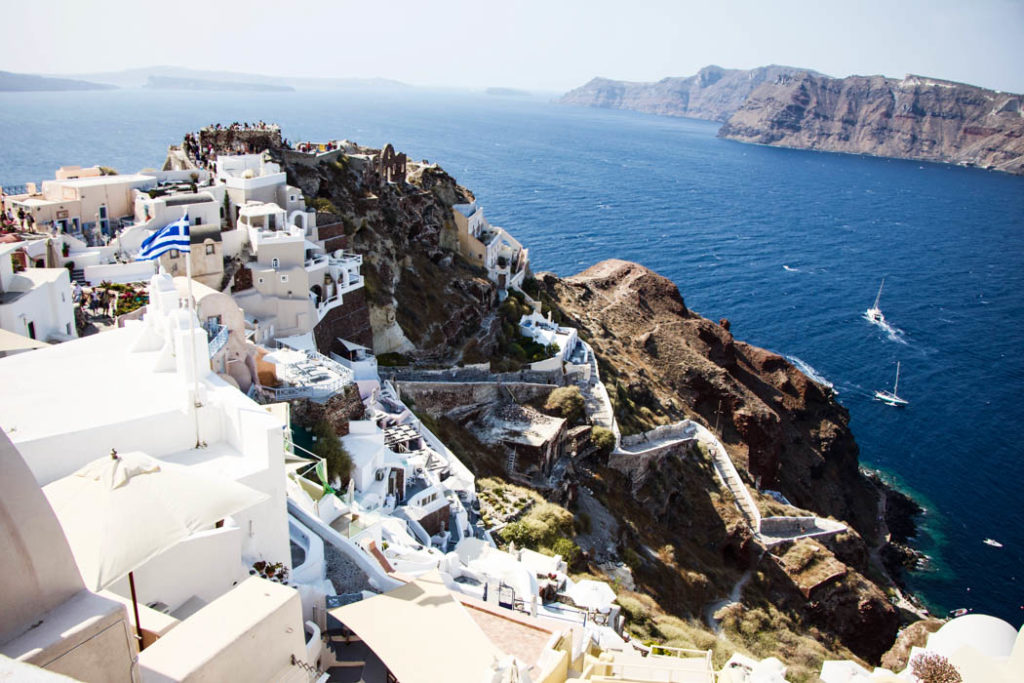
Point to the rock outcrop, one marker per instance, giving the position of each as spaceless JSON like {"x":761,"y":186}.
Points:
{"x":422,"y":301}
{"x":661,"y":362}
{"x":911,"y":118}
{"x":713,"y":93}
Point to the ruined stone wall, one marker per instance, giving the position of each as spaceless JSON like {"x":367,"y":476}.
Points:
{"x":242,"y":141}
{"x":438,"y":398}
{"x":350,"y":320}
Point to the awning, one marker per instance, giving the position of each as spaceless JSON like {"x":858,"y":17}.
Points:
{"x":416,"y":629}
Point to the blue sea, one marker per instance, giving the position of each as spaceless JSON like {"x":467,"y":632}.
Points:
{"x":789,"y":245}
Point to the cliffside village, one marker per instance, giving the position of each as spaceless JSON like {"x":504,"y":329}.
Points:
{"x":132,"y":397}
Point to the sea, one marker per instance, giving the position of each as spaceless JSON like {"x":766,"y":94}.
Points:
{"x":791,"y":246}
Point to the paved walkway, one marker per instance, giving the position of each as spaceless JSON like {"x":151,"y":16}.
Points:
{"x":597,"y":403}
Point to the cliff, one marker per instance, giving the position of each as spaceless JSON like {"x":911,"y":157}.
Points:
{"x":713,"y":93}
{"x":913,"y":118}
{"x":669,"y":521}
{"x":661,"y":362}
{"x":423,"y":302}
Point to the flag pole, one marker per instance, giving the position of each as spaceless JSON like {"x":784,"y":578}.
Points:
{"x":192,"y":333}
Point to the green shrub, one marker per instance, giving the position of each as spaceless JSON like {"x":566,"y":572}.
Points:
{"x":392,"y":359}
{"x":324,"y":205}
{"x":603,"y":439}
{"x":569,"y":551}
{"x":566,"y":402}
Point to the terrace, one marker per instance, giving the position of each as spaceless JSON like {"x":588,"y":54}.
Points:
{"x":305,"y":375}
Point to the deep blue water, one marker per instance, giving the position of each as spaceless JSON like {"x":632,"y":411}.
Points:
{"x":789,"y":245}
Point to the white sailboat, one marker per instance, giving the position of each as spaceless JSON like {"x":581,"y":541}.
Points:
{"x":891,"y":397}
{"x":874,"y":314}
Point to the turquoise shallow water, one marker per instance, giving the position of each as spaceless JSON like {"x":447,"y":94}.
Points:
{"x":789,"y":245}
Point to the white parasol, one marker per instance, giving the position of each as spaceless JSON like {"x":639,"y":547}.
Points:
{"x":590,"y":594}
{"x":118,"y":512}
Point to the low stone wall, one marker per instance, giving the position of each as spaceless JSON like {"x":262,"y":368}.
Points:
{"x":676,"y":430}
{"x":550,"y":377}
{"x":637,"y":466}
{"x":438,"y":398}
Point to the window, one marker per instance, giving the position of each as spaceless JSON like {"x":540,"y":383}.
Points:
{"x":275,"y":263}
{"x":199,"y":220}
{"x":173,"y":253}
{"x":259,"y":281}
{"x":209,"y":249}
{"x":284,"y":278}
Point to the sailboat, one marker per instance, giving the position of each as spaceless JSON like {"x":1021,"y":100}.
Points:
{"x":874,"y":314}
{"x":891,"y":397}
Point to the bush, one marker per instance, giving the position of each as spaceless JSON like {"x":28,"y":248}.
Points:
{"x":566,"y":402}
{"x":931,"y":668}
{"x":541,"y":528}
{"x":569,"y":551}
{"x":603,"y":439}
{"x":323,"y":205}
{"x":328,"y":447}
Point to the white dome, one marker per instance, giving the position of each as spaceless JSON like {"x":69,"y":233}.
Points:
{"x":988,"y":635}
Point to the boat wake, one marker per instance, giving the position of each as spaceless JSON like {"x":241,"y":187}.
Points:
{"x":893,"y":333}
{"x":809,"y":370}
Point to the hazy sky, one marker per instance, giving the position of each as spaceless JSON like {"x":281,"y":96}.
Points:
{"x":533,"y":44}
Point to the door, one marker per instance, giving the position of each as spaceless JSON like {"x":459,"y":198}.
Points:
{"x":32,"y":330}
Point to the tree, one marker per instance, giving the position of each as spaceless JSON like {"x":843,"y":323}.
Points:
{"x":328,"y":447}
{"x":931,"y":668}
{"x":566,"y":402}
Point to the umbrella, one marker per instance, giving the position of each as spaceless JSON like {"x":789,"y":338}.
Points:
{"x":119,"y":512}
{"x":591,"y":594}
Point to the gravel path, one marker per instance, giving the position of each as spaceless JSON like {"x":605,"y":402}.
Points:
{"x":343,"y":572}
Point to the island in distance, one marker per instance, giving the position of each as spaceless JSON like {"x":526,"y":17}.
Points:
{"x":12,"y":82}
{"x":914,"y":117}
{"x":171,"y":83}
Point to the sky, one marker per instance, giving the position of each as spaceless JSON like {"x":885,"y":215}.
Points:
{"x":541,"y":45}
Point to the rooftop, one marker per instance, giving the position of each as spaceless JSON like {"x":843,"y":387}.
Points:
{"x":523,"y":424}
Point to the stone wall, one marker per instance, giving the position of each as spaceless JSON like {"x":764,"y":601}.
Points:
{"x":439,"y":398}
{"x":242,"y":141}
{"x":350,"y":320}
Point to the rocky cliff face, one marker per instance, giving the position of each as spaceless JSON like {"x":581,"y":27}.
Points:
{"x":713,"y":93}
{"x":912,"y":118}
{"x":662,"y":362}
{"x":422,"y":301}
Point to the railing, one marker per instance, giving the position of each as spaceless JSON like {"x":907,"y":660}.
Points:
{"x":217,"y":338}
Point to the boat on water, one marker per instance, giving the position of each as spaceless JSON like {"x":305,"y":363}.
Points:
{"x":992,"y":542}
{"x":874,"y":314}
{"x":959,"y":612}
{"x":891,"y":397}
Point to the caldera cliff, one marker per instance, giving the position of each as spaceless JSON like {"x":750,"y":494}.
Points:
{"x":685,"y":561}
{"x":910,"y":118}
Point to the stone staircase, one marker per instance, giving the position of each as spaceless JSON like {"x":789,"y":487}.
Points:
{"x":78,"y":275}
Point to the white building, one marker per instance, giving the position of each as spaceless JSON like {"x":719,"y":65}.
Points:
{"x":35,"y":302}
{"x":251,"y":177}
{"x":295,"y":283}
{"x":490,"y":247}
{"x":134,"y":389}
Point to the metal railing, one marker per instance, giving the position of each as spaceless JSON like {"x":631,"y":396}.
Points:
{"x":217,"y":338}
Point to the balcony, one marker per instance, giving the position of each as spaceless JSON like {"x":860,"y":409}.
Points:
{"x":216,"y":337}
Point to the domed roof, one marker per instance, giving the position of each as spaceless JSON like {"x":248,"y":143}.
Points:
{"x":988,"y":635}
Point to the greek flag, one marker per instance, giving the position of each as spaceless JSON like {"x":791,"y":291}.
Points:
{"x":173,"y":236}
